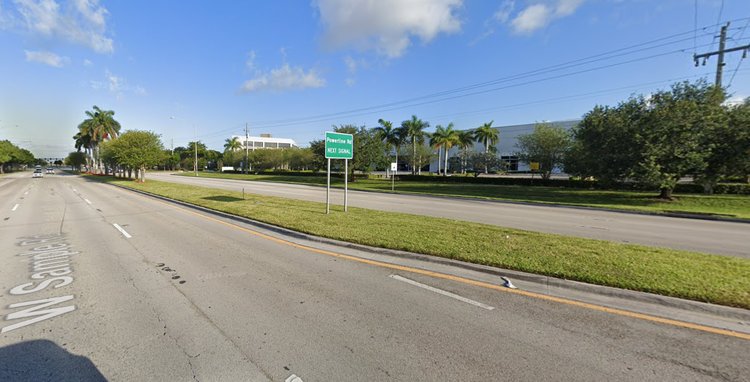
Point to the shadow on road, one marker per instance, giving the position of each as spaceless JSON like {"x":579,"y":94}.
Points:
{"x":44,"y":360}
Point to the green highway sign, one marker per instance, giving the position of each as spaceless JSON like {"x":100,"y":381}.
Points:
{"x":339,"y":146}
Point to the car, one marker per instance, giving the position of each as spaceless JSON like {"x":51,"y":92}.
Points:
{"x":38,"y":173}
{"x":50,"y":170}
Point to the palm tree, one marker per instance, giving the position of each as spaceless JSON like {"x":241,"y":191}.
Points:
{"x":489,"y":136}
{"x":437,"y":140}
{"x":465,"y":140}
{"x":450,"y":138}
{"x":414,"y":129}
{"x":99,"y":126}
{"x":83,"y":141}
{"x":232,"y":144}
{"x":390,"y":135}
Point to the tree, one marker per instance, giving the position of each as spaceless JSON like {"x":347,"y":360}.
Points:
{"x":546,"y":145}
{"x":369,"y":149}
{"x":7,"y":150}
{"x":318,"y":150}
{"x":444,"y":138}
{"x":390,"y":135}
{"x":465,"y":141}
{"x":729,"y":145}
{"x":489,"y":136}
{"x":604,"y":142}
{"x":138,"y":149}
{"x":414,"y":129}
{"x":232,"y":144}
{"x":99,"y":126}
{"x":486,"y":161}
{"x":76,"y":159}
{"x":672,"y":133}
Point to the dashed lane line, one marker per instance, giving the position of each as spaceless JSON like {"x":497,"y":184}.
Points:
{"x":122,"y":231}
{"x":442,"y":292}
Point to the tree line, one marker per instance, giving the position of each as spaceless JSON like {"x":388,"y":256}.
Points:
{"x":12,"y":156}
{"x":685,"y":131}
{"x":654,"y":141}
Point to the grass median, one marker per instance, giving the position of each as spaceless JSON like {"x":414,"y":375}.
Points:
{"x":733,"y":206}
{"x":702,"y":277}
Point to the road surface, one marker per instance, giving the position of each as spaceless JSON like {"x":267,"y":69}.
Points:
{"x":718,"y":237}
{"x":99,"y":283}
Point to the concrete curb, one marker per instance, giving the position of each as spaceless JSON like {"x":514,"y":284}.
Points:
{"x":548,"y":281}
{"x":680,"y":215}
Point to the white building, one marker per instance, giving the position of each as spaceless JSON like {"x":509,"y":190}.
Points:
{"x":506,"y":146}
{"x":265,"y":141}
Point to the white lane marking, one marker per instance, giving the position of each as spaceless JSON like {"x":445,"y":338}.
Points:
{"x":86,"y":200}
{"x":444,"y":293}
{"x":15,"y":207}
{"x":122,"y":231}
{"x":293,"y":378}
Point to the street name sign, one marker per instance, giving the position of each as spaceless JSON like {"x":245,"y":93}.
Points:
{"x":339,"y":146}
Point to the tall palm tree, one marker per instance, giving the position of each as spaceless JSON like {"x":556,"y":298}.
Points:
{"x":99,"y":126}
{"x":232,"y":144}
{"x":437,"y":140}
{"x":390,"y":135}
{"x":489,"y":136}
{"x":450,"y":138}
{"x":414,"y":129}
{"x":83,"y":141}
{"x":465,"y":140}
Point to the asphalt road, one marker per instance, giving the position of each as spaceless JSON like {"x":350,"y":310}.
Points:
{"x":717,"y":237}
{"x":256,"y":307}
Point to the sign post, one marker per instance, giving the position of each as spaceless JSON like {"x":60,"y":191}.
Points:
{"x":394,"y":169}
{"x":339,"y":146}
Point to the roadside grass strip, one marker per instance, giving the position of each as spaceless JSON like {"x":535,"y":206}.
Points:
{"x":691,"y":275}
{"x":733,"y":206}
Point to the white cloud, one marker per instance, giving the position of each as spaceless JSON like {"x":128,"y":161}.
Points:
{"x":250,"y":62}
{"x":80,"y":22}
{"x":117,"y":85}
{"x":387,"y":26}
{"x":503,"y":13}
{"x":538,"y":15}
{"x":736,"y":100}
{"x":47,"y":58}
{"x":352,"y":67}
{"x":87,"y":62}
{"x":532,"y":18}
{"x":284,"y":78}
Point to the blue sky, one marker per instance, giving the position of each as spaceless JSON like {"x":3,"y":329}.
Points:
{"x":294,"y":68}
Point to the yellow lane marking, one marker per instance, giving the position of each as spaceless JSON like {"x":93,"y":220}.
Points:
{"x":444,"y":276}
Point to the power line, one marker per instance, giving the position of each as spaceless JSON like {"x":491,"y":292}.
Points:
{"x":340,"y":115}
{"x":433,"y":97}
{"x":557,"y":67}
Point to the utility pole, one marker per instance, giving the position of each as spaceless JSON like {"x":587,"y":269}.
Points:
{"x":247,"y":153}
{"x":722,"y":49}
{"x":195,"y":164}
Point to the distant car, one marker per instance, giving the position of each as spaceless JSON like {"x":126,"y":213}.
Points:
{"x":38,"y":173}
{"x":50,"y":170}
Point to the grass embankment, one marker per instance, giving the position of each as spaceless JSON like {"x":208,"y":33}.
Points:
{"x":734,"y":206}
{"x":696,"y":276}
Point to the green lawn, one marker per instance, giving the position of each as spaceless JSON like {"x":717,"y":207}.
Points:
{"x":663,"y":271}
{"x":735,"y":206}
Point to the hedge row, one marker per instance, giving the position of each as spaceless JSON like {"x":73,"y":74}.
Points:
{"x":685,"y":188}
